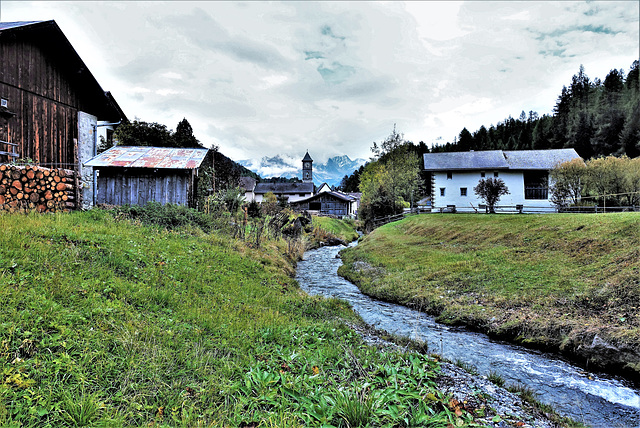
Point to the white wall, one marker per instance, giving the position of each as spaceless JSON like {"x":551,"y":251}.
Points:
{"x":291,"y":198}
{"x":469,"y":179}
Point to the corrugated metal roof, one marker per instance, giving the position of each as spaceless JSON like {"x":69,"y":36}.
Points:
{"x":262,"y":188}
{"x":498,"y":159}
{"x":149,"y":157}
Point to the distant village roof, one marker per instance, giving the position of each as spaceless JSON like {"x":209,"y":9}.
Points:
{"x":247,"y":183}
{"x":498,"y":159}
{"x":336,"y":195}
{"x":149,"y":157}
{"x":283,"y":188}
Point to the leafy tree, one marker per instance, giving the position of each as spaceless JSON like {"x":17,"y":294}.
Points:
{"x":139,"y":133}
{"x":490,"y":190}
{"x":391,"y":179}
{"x":605,"y":179}
{"x":567,"y":182}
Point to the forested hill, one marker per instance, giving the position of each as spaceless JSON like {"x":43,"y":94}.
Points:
{"x":596,"y":117}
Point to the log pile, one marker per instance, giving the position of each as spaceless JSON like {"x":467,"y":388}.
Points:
{"x":29,"y":188}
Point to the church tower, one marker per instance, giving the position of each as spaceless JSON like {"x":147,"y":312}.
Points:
{"x":307,"y":168}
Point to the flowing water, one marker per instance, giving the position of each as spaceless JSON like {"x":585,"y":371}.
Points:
{"x":593,"y":399}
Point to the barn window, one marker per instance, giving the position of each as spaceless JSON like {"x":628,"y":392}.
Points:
{"x":495,"y":173}
{"x":4,"y":103}
{"x":449,"y":175}
{"x":536,"y":185}
{"x":482,"y":174}
{"x":442,"y":191}
{"x":463,"y":191}
{"x":315,"y":206}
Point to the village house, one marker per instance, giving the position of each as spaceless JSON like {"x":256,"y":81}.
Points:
{"x":51,"y":106}
{"x":525,"y":173}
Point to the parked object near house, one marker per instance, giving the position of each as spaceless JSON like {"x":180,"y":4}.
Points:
{"x":525,"y":173}
{"x":50,"y":102}
{"x":137,"y":175}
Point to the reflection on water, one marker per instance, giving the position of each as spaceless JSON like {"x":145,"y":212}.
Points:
{"x":595,"y":400}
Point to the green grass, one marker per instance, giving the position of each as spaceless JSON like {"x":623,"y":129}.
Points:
{"x":550,"y":281}
{"x":325,"y":228}
{"x":109,"y":322}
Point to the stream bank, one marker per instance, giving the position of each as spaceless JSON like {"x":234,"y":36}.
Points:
{"x":595,"y":400}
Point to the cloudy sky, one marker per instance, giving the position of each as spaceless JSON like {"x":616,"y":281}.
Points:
{"x":260,"y":79}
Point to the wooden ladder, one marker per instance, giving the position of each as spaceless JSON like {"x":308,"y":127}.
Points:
{"x":10,"y":154}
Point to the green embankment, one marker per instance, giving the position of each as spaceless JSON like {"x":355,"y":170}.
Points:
{"x":108,"y":322}
{"x":330,"y":230}
{"x":567,"y":282}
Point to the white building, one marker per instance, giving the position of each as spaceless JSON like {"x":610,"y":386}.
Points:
{"x":525,"y":173}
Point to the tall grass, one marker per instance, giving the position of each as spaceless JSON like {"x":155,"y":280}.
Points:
{"x":107,"y":321}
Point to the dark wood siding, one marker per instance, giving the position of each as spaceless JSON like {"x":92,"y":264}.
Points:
{"x":45,"y":96}
{"x":120,"y":186}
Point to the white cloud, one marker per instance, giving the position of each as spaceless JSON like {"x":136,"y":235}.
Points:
{"x":260,"y":79}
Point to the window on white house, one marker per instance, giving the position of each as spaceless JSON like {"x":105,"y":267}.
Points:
{"x":495,"y":173}
{"x":482,"y":174}
{"x":449,"y":175}
{"x":442,"y":191}
{"x":463,"y":191}
{"x":536,"y":185}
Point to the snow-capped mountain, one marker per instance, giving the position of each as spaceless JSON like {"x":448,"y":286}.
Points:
{"x":330,"y":172}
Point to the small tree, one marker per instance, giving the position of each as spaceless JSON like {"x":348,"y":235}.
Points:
{"x":489,"y":190}
{"x":567,"y":182}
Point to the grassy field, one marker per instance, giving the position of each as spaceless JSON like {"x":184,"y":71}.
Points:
{"x":326,"y":228}
{"x":105,"y":321}
{"x":567,"y":282}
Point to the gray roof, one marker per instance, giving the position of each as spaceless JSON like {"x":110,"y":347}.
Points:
{"x":336,"y":195}
{"x":247,"y":183}
{"x":307,"y":157}
{"x":262,"y":188}
{"x":539,"y":159}
{"x":497,"y":159}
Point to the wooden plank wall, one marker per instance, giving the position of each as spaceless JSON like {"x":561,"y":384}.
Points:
{"x":45,"y":101}
{"x":119,"y":187}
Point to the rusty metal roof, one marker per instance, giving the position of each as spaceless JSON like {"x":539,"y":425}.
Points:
{"x":149,"y":157}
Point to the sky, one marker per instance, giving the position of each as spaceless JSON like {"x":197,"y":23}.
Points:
{"x":266,"y":78}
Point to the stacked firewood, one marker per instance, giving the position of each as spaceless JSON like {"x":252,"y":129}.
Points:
{"x":28,"y":188}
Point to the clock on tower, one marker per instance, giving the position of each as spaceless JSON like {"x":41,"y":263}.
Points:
{"x":307,"y":168}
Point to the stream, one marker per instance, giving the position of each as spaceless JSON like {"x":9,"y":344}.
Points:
{"x":596,"y":400}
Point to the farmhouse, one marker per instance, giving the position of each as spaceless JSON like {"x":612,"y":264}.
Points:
{"x":50,"y":103}
{"x":137,"y":175}
{"x":525,"y":172}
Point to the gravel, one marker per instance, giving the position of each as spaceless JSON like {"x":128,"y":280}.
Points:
{"x":502,"y":408}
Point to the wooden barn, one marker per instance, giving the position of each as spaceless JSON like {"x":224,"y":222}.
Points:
{"x":137,"y":175}
{"x":50,"y":101}
{"x":328,"y":203}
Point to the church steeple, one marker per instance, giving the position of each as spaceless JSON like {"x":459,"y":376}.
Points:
{"x":307,"y":168}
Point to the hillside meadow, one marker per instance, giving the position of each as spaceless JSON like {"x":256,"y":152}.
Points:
{"x":566,"y":282}
{"x":107,"y":321}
